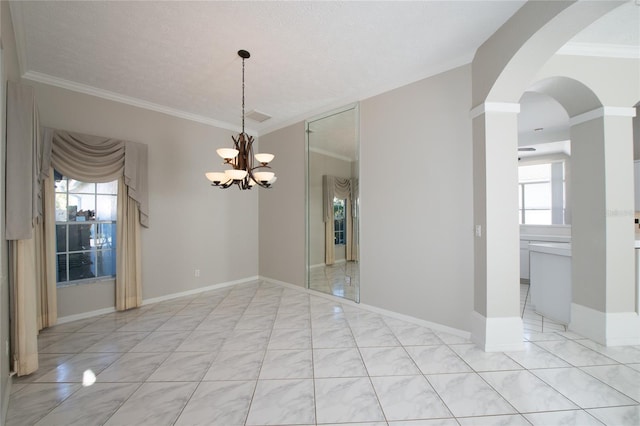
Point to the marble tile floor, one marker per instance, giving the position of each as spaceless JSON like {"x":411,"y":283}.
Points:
{"x":533,"y":322}
{"x":340,"y":279}
{"x":264,"y":354}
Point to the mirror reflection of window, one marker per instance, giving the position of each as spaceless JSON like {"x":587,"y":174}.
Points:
{"x":339,"y":220}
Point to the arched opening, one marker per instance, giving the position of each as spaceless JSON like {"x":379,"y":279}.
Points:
{"x":507,"y":63}
{"x":571,"y":281}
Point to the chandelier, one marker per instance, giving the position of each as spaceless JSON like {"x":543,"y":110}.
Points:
{"x":244,"y":172}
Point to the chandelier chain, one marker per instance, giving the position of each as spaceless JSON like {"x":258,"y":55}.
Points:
{"x":242,"y":95}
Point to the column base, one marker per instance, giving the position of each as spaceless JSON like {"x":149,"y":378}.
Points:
{"x":498,"y":334}
{"x":608,"y":329}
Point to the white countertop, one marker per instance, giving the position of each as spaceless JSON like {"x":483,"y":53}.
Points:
{"x":550,"y":238}
{"x":559,"y":249}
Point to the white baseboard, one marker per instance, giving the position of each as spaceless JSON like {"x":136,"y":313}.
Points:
{"x":198,"y":290}
{"x":396,"y":315}
{"x":498,"y":334}
{"x":407,"y":318}
{"x":322,"y":265}
{"x":150,"y":301}
{"x":612,"y":329}
{"x":5,"y":397}
{"x":84,"y":315}
{"x":282,"y":283}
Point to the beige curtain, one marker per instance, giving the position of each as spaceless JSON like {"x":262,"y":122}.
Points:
{"x":128,"y":263}
{"x":31,"y":277}
{"x":353,"y":239}
{"x":328,"y":184}
{"x":24,"y":323}
{"x":46,"y":261}
{"x":348,"y":229}
{"x":98,"y":159}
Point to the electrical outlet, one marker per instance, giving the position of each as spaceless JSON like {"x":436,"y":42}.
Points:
{"x":197,"y":273}
{"x":478,"y":231}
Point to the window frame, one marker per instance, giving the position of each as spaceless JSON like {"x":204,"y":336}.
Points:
{"x":552,"y":187}
{"x":95,"y":225}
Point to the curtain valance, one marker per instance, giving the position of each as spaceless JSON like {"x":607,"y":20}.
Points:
{"x":342,"y":188}
{"x":98,"y":159}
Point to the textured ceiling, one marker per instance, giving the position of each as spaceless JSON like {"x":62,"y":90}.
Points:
{"x":307,"y":57}
{"x":180,"y":57}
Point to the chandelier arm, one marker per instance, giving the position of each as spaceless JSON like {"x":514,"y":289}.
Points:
{"x":260,"y":167}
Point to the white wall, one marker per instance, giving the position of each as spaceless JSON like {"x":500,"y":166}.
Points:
{"x":282,"y":208}
{"x":192,"y":225}
{"x":416,"y":206}
{"x":416,"y":236}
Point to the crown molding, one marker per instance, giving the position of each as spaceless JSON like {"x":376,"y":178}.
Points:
{"x":15,"y":9}
{"x":624,"y":51}
{"x":116,"y":97}
{"x":331,"y":154}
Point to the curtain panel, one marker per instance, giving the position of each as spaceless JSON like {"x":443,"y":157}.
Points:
{"x":354,"y":237}
{"x":31,"y":154}
{"x":23,"y":163}
{"x":28,"y":271}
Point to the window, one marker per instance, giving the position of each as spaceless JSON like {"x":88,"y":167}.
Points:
{"x":339,"y":220}
{"x":85,"y":229}
{"x":541,"y":194}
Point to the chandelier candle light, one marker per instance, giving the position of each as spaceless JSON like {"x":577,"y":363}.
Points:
{"x":244,"y":173}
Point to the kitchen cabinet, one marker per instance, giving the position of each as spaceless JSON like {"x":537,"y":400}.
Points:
{"x":551,"y":280}
{"x":526,"y":240}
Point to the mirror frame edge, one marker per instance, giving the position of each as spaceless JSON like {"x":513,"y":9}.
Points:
{"x":351,"y":106}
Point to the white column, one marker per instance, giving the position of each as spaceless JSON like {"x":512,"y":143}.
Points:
{"x":603,"y":262}
{"x":496,"y":322}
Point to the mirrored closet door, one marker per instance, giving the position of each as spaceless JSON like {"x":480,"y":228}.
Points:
{"x":333,"y":213}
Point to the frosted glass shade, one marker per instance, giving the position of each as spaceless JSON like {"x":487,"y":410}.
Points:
{"x":252,"y":182}
{"x":264,"y":158}
{"x":236,"y":174}
{"x":273,"y":180}
{"x":227,"y":153}
{"x":263,"y":176}
{"x":217,"y":177}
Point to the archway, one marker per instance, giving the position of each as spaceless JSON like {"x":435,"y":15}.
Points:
{"x":503,"y":68}
{"x":602,"y":301}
